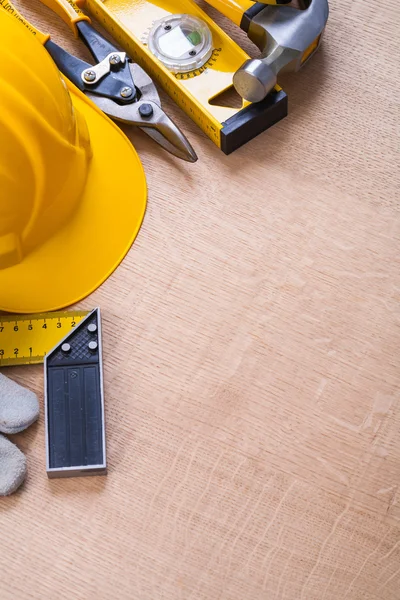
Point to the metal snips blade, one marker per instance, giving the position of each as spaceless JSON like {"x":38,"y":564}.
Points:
{"x":147,"y":114}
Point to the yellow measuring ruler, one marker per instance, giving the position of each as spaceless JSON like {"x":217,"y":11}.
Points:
{"x":26,"y":339}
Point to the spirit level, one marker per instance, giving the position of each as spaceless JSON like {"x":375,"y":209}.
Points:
{"x":136,"y":26}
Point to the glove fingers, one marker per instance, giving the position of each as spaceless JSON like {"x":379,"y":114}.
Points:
{"x":19,"y":407}
{"x":12,"y":467}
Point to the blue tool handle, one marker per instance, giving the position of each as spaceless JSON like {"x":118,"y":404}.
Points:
{"x":100,"y":48}
{"x":70,"y":65}
{"x":98,"y":45}
{"x":73,"y":67}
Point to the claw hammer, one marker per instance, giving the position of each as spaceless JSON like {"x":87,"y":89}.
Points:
{"x":287,"y":33}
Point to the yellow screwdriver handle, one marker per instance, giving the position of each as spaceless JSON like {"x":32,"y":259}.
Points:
{"x":11,"y":10}
{"x":69,"y":11}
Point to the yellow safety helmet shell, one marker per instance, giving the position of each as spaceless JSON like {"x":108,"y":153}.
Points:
{"x":72,"y":188}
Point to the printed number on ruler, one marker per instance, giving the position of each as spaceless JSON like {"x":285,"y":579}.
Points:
{"x":26,"y":339}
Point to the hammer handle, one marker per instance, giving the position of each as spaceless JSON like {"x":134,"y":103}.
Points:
{"x":235,"y":9}
{"x":232,"y":9}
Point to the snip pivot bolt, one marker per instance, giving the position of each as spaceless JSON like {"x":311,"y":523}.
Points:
{"x":126,"y":92}
{"x":115,"y":59}
{"x":89,"y":76}
{"x":145,"y":110}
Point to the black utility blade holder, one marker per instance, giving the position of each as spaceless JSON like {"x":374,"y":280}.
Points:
{"x":74,"y":403}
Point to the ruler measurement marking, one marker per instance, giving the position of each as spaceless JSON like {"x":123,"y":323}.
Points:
{"x":28,"y":338}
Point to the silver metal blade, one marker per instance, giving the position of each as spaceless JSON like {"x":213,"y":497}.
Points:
{"x":186,"y":153}
{"x":170,"y":137}
{"x":157,"y":125}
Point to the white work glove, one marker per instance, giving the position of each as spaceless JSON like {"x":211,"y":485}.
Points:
{"x":19,"y":408}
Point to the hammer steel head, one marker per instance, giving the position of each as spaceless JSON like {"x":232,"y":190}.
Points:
{"x":287,"y":38}
{"x":253,"y":78}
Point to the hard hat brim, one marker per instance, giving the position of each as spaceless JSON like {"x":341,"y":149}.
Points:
{"x":83,"y":254}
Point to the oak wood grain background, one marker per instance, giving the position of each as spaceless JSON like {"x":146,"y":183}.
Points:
{"x":251,"y":344}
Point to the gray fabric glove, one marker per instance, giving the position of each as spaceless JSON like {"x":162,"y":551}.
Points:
{"x":19,"y":408}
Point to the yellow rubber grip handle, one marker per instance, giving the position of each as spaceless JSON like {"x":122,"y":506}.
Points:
{"x":69,"y":11}
{"x":233,"y":9}
{"x":11,"y":10}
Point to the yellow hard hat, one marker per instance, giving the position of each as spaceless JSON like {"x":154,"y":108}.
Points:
{"x":72,"y":188}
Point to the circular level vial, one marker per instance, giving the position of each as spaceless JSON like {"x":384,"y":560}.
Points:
{"x":181,"y":42}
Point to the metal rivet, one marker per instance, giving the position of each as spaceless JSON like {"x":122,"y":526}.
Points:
{"x":89,"y":75}
{"x":92,"y":346}
{"x":65,"y":348}
{"x":193,"y":53}
{"x":115,"y":59}
{"x":92,"y":328}
{"x":145,"y":110}
{"x":168,"y":27}
{"x":126,"y":92}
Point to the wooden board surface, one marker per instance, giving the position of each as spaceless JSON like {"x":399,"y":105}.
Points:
{"x":251,"y":345}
